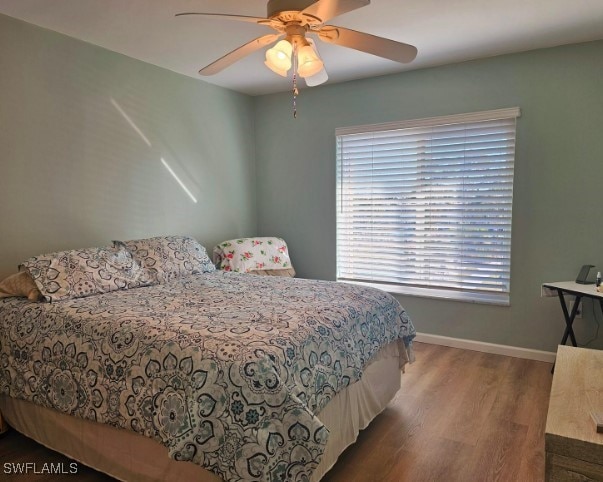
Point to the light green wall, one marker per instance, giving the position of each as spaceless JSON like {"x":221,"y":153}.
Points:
{"x":558,"y":188}
{"x":75,"y":173}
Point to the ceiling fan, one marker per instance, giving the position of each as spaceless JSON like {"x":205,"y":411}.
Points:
{"x":293,"y":19}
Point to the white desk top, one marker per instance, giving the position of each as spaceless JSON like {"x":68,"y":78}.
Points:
{"x":550,"y":289}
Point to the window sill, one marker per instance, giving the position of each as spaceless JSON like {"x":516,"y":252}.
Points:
{"x":500,"y":299}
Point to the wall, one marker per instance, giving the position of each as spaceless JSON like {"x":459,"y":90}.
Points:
{"x":558,"y":190}
{"x":82,"y":134}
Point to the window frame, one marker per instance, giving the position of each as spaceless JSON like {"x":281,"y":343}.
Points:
{"x":416,"y":289}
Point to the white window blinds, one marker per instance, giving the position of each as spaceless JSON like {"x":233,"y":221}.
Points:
{"x":426,"y":205}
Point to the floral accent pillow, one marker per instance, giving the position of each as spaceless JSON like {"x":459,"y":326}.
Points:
{"x":249,"y":255}
{"x":169,"y":257}
{"x":85,"y":272}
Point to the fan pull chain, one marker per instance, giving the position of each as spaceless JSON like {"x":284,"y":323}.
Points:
{"x":295,"y":89}
{"x":295,"y":94}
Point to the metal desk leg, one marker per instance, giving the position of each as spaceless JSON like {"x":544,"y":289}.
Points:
{"x":569,"y":318}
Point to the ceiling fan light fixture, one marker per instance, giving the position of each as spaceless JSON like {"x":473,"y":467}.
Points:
{"x":282,"y":73}
{"x":308,"y":62}
{"x":292,"y":20}
{"x":320,"y":78}
{"x":278,"y":58}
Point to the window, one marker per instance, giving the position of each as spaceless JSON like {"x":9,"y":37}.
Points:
{"x":424,"y":206}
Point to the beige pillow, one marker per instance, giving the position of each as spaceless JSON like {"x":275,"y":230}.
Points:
{"x":20,"y":284}
{"x":290,"y":272}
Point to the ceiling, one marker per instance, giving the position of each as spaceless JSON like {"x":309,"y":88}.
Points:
{"x":444,"y":31}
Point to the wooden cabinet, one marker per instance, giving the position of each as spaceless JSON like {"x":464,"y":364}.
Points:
{"x":574,"y":449}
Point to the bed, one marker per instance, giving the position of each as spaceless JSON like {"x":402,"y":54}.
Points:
{"x":247,"y":377}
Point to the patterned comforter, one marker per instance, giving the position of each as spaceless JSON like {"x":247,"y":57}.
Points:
{"x":225,"y":370}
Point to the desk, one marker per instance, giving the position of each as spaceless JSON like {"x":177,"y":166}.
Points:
{"x":579,"y":291}
{"x":574,"y":449}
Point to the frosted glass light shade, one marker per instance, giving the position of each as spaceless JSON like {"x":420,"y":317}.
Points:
{"x":320,"y":78}
{"x":282,"y":73}
{"x":278,"y":58}
{"x":309,"y":63}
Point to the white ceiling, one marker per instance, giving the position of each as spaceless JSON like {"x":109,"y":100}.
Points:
{"x":444,"y":31}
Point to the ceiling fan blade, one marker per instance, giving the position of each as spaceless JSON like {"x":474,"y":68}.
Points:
{"x":226,"y":16}
{"x":325,"y":10}
{"x":238,"y":53}
{"x":382,"y":47}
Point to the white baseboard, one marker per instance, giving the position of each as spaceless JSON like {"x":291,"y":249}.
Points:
{"x":514,"y":351}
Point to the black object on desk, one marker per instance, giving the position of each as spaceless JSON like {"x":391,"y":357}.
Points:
{"x":583,"y":274}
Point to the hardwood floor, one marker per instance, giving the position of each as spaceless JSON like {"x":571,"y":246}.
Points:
{"x":460,"y":416}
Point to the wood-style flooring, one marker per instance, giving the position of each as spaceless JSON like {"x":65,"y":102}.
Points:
{"x":460,"y":416}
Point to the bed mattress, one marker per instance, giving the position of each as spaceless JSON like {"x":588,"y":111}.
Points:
{"x":228,"y":371}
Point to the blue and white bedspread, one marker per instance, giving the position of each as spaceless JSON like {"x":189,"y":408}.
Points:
{"x":225,"y":370}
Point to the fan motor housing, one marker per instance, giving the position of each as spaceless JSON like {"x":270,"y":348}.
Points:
{"x":278,"y":7}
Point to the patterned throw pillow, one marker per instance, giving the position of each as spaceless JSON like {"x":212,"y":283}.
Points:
{"x":85,"y":272}
{"x":169,"y":257}
{"x":254,"y":255}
